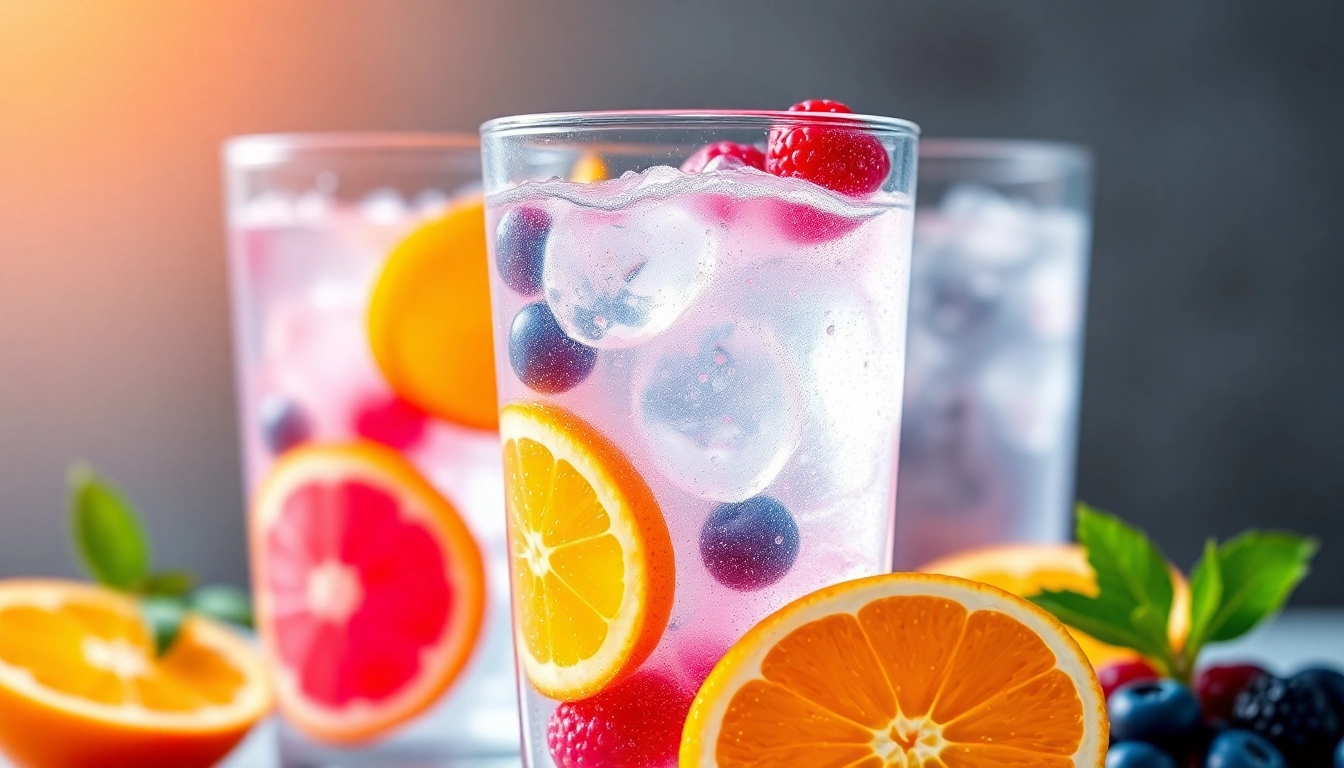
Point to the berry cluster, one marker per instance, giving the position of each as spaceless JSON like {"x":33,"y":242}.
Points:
{"x":1237,"y":716}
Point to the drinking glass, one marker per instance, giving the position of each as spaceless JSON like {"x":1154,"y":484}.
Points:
{"x":695,"y":362}
{"x":994,"y":361}
{"x":368,"y":424}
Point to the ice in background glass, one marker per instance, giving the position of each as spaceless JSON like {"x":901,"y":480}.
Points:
{"x":361,"y":377}
{"x":994,"y":357}
{"x":728,"y":337}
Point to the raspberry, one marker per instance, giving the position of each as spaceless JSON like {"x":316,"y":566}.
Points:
{"x":743,"y":153}
{"x":1293,"y":714}
{"x":634,"y":724}
{"x":846,"y":160}
{"x":1218,"y":686}
{"x":1114,"y":675}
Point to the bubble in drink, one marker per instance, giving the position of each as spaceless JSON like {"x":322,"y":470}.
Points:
{"x":616,"y":280}
{"x":720,"y":409}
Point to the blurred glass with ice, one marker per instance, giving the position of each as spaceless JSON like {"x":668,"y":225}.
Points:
{"x":617,"y":279}
{"x":719,"y":409}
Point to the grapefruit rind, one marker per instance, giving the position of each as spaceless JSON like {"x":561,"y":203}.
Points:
{"x":43,"y":726}
{"x":636,"y":522}
{"x":441,"y":663}
{"x":743,"y":662}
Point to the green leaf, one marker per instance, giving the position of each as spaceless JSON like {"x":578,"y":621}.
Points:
{"x":107,"y":533}
{"x":225,"y":603}
{"x":1105,"y":621}
{"x":1259,"y":572}
{"x":164,"y":617}
{"x":1206,"y":595}
{"x":169,"y":583}
{"x":1133,"y":578}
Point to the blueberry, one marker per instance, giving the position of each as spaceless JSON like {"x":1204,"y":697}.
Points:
{"x":1330,"y":681}
{"x":1137,"y":754}
{"x":1162,"y":712}
{"x":520,"y":248}
{"x":543,"y":357}
{"x":749,"y":544}
{"x":1242,"y":749}
{"x":283,"y":423}
{"x":1339,"y":755}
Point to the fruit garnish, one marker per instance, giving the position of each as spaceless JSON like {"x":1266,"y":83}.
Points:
{"x":429,"y":319}
{"x":593,"y":566}
{"x":588,"y":168}
{"x":1294,"y":715}
{"x":634,"y":723}
{"x":1242,"y":749}
{"x":724,"y":155}
{"x":370,"y":589}
{"x":1234,"y":587}
{"x":81,"y":683}
{"x":750,"y":544}
{"x":1162,"y":712}
{"x":1026,"y":569}
{"x":112,"y":545}
{"x":520,"y":248}
{"x":1218,"y":686}
{"x":1138,"y":754}
{"x":543,"y":356}
{"x":1118,"y":673}
{"x":847,"y":160}
{"x":902,"y":670}
{"x":283,"y":423}
{"x":392,"y":421}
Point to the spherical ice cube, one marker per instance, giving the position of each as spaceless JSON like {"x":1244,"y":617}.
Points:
{"x":616,"y":280}
{"x":719,"y":409}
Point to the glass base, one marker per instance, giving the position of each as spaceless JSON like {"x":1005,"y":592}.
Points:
{"x":298,"y":752}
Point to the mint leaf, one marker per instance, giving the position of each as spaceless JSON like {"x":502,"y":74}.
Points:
{"x":1104,"y":620}
{"x":107,"y":533}
{"x":224,"y":603}
{"x":1133,"y":577}
{"x":169,"y":583}
{"x":164,"y":617}
{"x":1206,"y":595}
{"x":1259,"y":572}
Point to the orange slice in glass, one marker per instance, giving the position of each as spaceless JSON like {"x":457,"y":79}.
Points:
{"x":1026,"y":569}
{"x":429,"y":319}
{"x":593,"y":568}
{"x":903,"y":670}
{"x":80,"y":683}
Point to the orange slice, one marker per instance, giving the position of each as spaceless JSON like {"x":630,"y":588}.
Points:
{"x":429,"y":319}
{"x":593,"y":568}
{"x":80,"y":683}
{"x":1026,"y":569}
{"x":588,"y":168}
{"x":370,"y":589}
{"x":901,"y":670}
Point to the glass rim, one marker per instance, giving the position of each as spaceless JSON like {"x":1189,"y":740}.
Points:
{"x":1010,"y":150}
{"x":554,"y":122}
{"x":261,"y":149}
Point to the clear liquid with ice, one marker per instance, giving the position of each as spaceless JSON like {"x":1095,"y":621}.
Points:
{"x":750,"y":333}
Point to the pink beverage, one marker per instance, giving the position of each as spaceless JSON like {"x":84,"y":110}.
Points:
{"x":696,"y":362}
{"x":994,"y":367}
{"x":376,"y":519}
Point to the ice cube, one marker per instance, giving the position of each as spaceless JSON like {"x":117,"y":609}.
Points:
{"x":383,"y":206}
{"x":719,"y":408}
{"x":1052,"y":294}
{"x":1029,"y":390}
{"x":995,"y":230}
{"x":616,"y":280}
{"x":268,"y":209}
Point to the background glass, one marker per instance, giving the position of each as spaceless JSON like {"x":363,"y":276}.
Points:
{"x":312,"y":221}
{"x":994,"y":360}
{"x":742,"y":332}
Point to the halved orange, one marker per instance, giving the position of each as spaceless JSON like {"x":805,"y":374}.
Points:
{"x":593,"y":567}
{"x":370,"y":589}
{"x":429,"y":319}
{"x":905,"y":670}
{"x":1026,"y":569}
{"x":80,"y":683}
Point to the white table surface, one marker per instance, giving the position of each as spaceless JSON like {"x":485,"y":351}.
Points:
{"x":1297,"y":637}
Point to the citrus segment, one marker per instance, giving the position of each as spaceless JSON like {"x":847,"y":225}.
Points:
{"x":902,"y":670}
{"x":429,"y":319}
{"x":593,"y":566}
{"x":80,"y":683}
{"x":370,"y":589}
{"x":1026,"y":569}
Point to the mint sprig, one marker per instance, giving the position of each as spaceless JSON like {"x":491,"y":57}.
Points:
{"x":1233,"y":588}
{"x":110,"y":541}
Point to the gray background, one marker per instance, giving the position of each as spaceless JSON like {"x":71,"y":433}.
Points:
{"x":1215,"y":357}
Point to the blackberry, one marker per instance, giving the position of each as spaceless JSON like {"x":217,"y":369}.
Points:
{"x":1294,"y":714}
